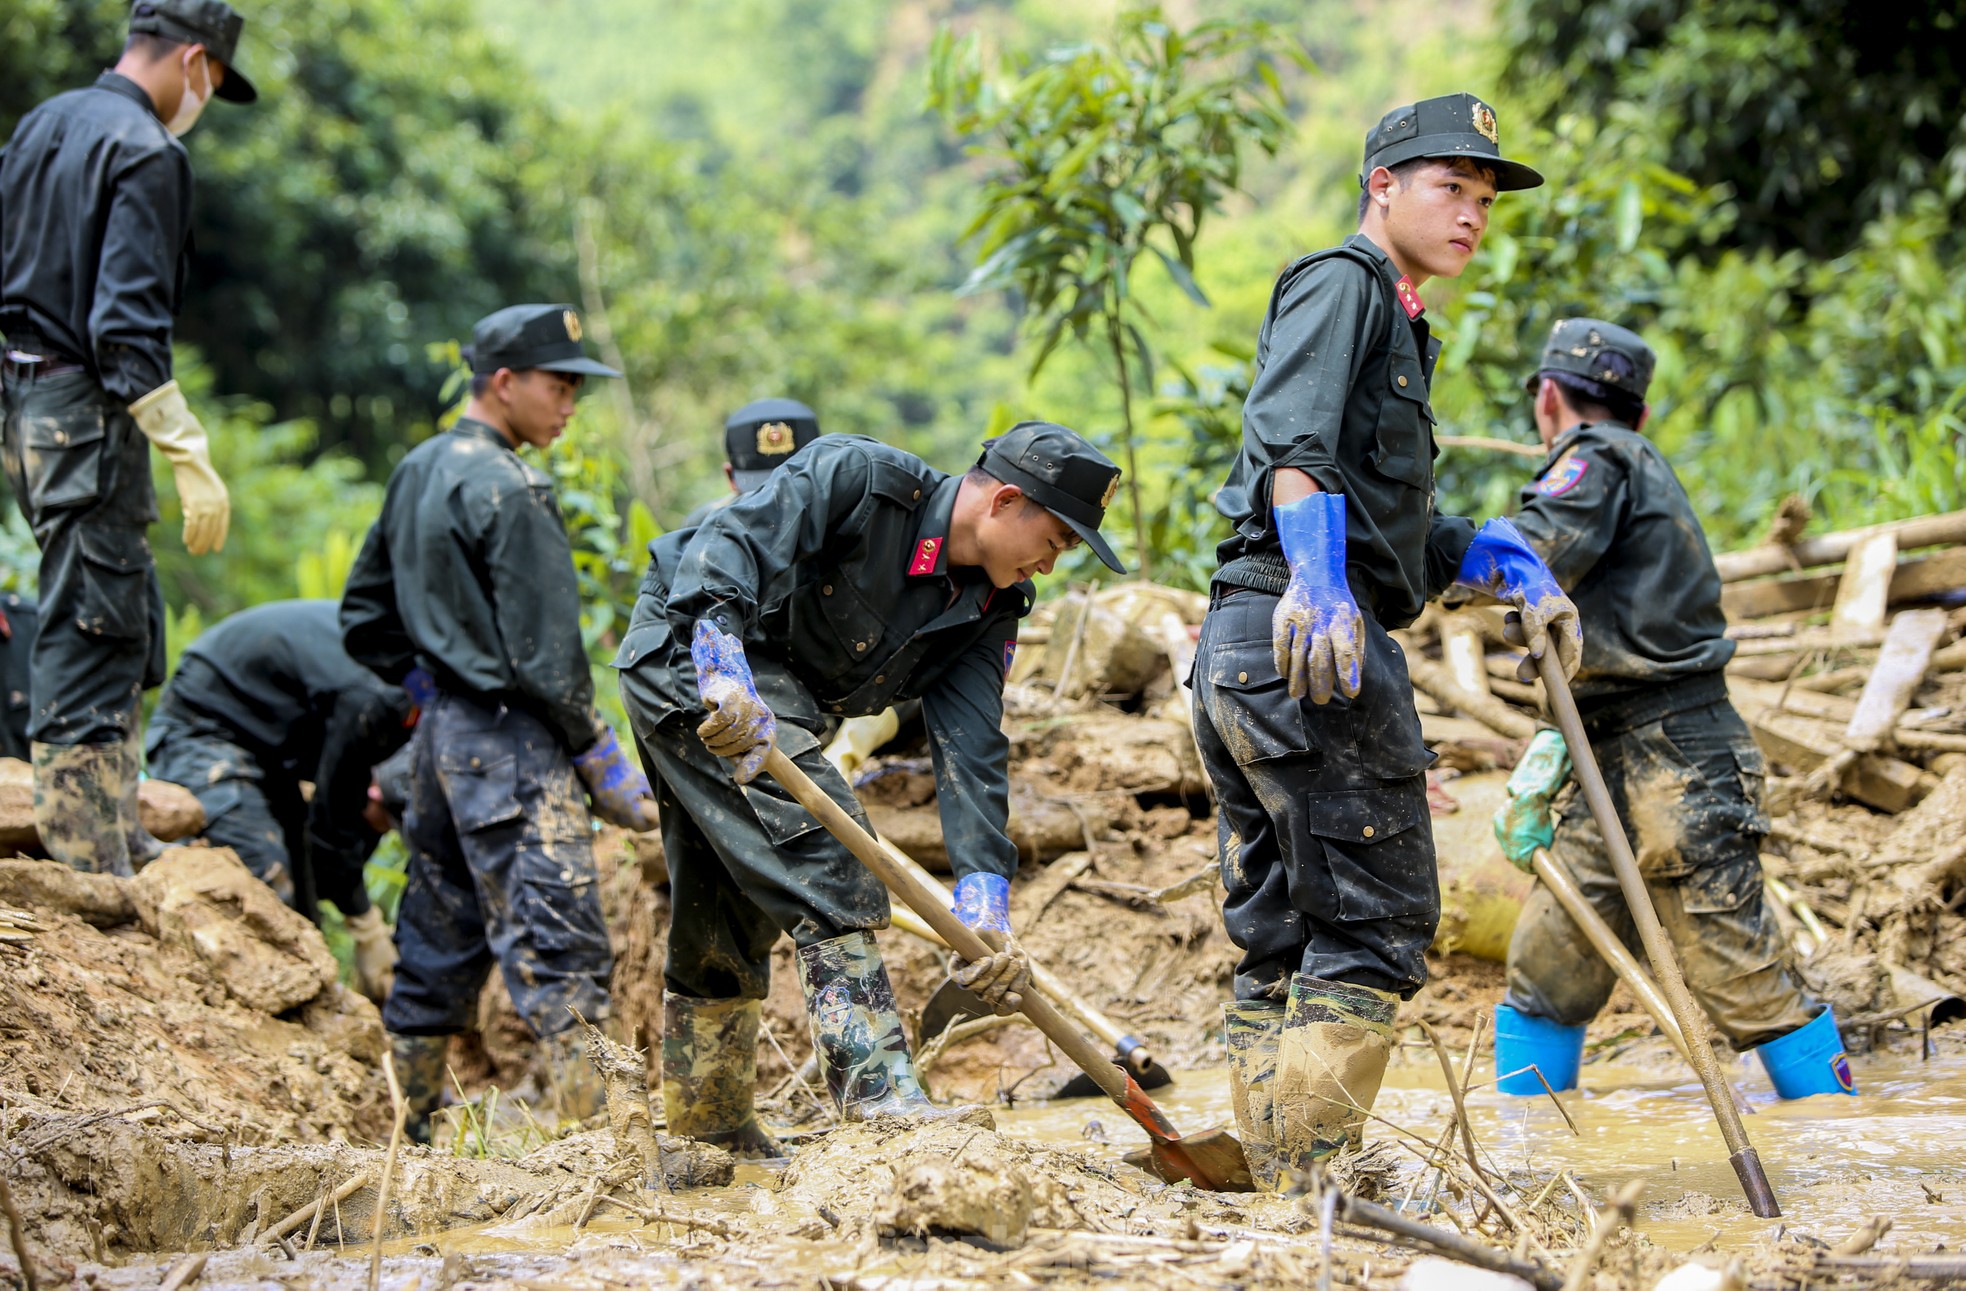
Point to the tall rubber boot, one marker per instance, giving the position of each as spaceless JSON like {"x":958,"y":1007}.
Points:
{"x":1808,"y":1060}
{"x":577,"y":1088}
{"x":1331,"y":1058}
{"x":1523,"y":1040}
{"x":143,"y":848}
{"x":856,"y":1030}
{"x":710,"y":1073}
{"x":420,"y":1072}
{"x":78,"y":798}
{"x":1251,"y":1029}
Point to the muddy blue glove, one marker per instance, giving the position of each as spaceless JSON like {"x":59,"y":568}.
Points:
{"x":1525,"y":822}
{"x":421,"y":687}
{"x":740,"y":725}
{"x":1501,"y":562}
{"x":983,"y":903}
{"x":617,"y":788}
{"x":1317,"y":631}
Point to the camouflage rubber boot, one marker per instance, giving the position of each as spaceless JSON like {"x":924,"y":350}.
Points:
{"x":1331,"y":1058}
{"x":143,"y":848}
{"x":856,"y":1030}
{"x":420,"y":1071}
{"x":1251,"y":1028}
{"x":710,"y":1073}
{"x":78,"y":797}
{"x":578,"y":1092}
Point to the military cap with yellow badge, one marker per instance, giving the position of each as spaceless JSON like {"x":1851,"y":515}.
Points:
{"x":763,"y":433}
{"x":1454,"y":125}
{"x":523,"y":337}
{"x":1057,"y":469}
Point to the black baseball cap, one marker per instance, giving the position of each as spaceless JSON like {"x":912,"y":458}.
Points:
{"x":531,"y":336}
{"x":212,"y":23}
{"x":1454,"y":125}
{"x":763,"y":433}
{"x":1061,"y":472}
{"x":1578,"y":346}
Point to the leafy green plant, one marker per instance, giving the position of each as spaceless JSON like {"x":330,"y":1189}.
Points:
{"x":1104,"y":153}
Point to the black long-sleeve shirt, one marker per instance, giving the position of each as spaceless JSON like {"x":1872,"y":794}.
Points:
{"x":275,"y":681}
{"x":95,"y":231}
{"x":1343,"y":372}
{"x":1614,"y":524}
{"x":468,"y":573}
{"x":839,"y":567}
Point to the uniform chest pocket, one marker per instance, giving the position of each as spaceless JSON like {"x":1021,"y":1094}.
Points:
{"x":481,"y":783}
{"x":1403,"y":448}
{"x":62,"y":457}
{"x":852,"y":626}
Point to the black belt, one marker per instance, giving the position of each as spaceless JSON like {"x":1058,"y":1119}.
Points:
{"x":40,"y":366}
{"x":1616,"y":714}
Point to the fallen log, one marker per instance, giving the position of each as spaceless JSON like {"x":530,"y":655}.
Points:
{"x":1491,"y":712}
{"x":1915,"y":579}
{"x":1830,"y":548}
{"x":1803,"y":744}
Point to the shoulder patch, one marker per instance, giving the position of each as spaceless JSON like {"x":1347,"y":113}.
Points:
{"x":1562,"y":477}
{"x":1009,"y":656}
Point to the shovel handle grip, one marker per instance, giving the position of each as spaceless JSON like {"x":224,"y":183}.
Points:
{"x":961,"y":938}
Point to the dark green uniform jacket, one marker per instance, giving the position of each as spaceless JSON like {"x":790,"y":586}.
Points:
{"x":838,"y":567}
{"x":1340,"y":393}
{"x":469,"y":574}
{"x":95,"y":225}
{"x":1611,"y":520}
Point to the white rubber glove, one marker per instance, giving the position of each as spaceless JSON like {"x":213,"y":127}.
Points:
{"x":166,"y":421}
{"x":375,"y":954}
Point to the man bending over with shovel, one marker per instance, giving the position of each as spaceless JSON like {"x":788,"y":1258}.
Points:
{"x":857,"y":577}
{"x":1610,"y":517}
{"x":1304,"y":714}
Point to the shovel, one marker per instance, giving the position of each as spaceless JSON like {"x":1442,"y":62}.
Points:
{"x":1213,"y":1159}
{"x":1658,"y":949}
{"x":952,"y":1001}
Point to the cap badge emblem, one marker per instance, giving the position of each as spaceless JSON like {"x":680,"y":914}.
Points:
{"x":1112,"y":488}
{"x":572,"y":320}
{"x":775,"y":439}
{"x":1484,"y":122}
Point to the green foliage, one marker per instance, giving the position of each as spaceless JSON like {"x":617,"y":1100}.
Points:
{"x":1821,"y":114}
{"x":1106,"y":152}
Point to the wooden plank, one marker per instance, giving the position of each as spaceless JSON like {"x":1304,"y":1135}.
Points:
{"x":1463,"y":651}
{"x":1754,"y":696}
{"x":1900,"y":666}
{"x":1916,"y":579}
{"x":1486,"y":709}
{"x":1863,"y":594}
{"x":1804,"y":743}
{"x":1829,"y":548}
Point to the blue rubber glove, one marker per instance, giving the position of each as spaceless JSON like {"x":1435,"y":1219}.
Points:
{"x":421,"y":688}
{"x":983,"y":903}
{"x":740,"y":725}
{"x":1526,"y":822}
{"x":617,"y":788}
{"x":1501,"y":563}
{"x":1317,"y":630}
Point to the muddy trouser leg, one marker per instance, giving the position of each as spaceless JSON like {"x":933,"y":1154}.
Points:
{"x":80,"y":471}
{"x":229,"y":785}
{"x":1687,"y":788}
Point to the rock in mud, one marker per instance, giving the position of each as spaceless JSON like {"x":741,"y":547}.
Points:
{"x":204,"y":900}
{"x":99,"y":899}
{"x":984,"y":1194}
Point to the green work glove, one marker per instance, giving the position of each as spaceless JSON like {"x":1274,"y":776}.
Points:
{"x":1525,"y":822}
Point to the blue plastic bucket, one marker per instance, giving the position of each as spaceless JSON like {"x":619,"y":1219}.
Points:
{"x":1522,"y":1041}
{"x":1809,"y":1060}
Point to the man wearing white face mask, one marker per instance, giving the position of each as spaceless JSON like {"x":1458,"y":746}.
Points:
{"x":95,"y":229}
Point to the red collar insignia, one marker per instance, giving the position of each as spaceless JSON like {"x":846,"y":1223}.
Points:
{"x":926,"y":552}
{"x":1409,"y":297}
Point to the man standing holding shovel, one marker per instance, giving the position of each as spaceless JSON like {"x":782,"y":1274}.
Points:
{"x":857,"y":576}
{"x":1304,"y":714}
{"x":1615,"y":525}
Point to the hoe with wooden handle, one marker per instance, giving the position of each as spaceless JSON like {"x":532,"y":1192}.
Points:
{"x":1213,"y":1159}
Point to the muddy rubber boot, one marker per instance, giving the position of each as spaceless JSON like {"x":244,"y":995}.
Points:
{"x":420,"y":1071}
{"x":856,"y":1031}
{"x":710,"y":1073}
{"x":78,"y":805}
{"x":577,"y":1088}
{"x":142,"y":846}
{"x":1331,"y":1058}
{"x":1252,"y":1028}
